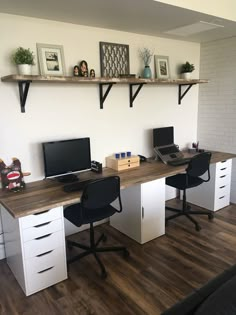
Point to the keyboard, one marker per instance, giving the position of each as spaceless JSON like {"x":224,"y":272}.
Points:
{"x":168,"y":150}
{"x":180,"y":161}
{"x":76,"y":186}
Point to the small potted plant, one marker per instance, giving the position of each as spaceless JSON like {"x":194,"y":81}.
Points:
{"x":146,"y":55}
{"x":24,"y":59}
{"x":186,"y":70}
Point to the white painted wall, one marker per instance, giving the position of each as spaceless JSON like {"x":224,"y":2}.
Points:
{"x":225,"y":9}
{"x":57,"y":111}
{"x":217,"y":100}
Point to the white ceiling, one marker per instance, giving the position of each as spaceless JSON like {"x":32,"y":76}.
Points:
{"x":136,"y":16}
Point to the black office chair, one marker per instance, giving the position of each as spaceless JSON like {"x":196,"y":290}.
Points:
{"x":197,"y":166}
{"x":95,"y":205}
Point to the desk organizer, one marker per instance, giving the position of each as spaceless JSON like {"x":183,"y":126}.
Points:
{"x":122,"y":163}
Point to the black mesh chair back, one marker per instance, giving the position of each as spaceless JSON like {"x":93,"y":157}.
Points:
{"x":101,"y":193}
{"x":199,"y":165}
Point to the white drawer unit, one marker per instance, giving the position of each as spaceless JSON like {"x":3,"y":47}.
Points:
{"x":35,"y":248}
{"x":215,"y":194}
{"x":143,"y":215}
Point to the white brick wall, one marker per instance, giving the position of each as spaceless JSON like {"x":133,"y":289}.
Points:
{"x":217,"y":99}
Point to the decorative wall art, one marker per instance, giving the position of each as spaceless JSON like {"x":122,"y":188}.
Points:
{"x":162,"y":67}
{"x":51,"y":59}
{"x":114,"y":59}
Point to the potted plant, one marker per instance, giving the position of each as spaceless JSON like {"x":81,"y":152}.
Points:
{"x":146,"y":55}
{"x":186,"y":70}
{"x":24,"y":59}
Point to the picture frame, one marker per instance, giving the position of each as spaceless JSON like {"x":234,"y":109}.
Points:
{"x":51,"y":59}
{"x":114,"y":59}
{"x":162,"y":67}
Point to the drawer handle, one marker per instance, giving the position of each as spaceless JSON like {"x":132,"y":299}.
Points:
{"x":222,"y":187}
{"x":224,"y":168}
{"x":223,"y":161}
{"x":39,"y":225}
{"x":46,"y":269}
{"x":46,"y":253}
{"x":222,"y":176}
{"x":41,"y":212}
{"x":222,"y":197}
{"x":44,"y":236}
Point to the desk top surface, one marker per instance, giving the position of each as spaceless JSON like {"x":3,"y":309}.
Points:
{"x":47,"y":193}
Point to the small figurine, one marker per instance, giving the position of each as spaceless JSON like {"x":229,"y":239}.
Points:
{"x":92,"y":73}
{"x":12,"y":176}
{"x":76,"y":71}
{"x":83,"y":69}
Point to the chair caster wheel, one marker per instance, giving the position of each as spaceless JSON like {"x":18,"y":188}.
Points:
{"x":210,"y":216}
{"x":104,"y":275}
{"x":126,"y":253}
{"x":198,"y":228}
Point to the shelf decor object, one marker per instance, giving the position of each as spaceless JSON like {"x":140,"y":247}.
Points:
{"x":51,"y":59}
{"x":24,"y":59}
{"x":186,"y":70}
{"x":114,"y":59}
{"x":146,"y":56}
{"x":162,"y":67}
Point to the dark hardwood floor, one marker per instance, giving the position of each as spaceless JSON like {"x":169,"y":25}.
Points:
{"x":154,"y":277}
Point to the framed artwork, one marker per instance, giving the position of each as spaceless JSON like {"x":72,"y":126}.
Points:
{"x":114,"y":59}
{"x":162,"y":67}
{"x":51,"y":59}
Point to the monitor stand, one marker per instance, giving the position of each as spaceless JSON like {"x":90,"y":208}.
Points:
{"x":68,"y":178}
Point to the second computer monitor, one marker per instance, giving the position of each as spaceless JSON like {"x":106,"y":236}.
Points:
{"x":163,"y":136}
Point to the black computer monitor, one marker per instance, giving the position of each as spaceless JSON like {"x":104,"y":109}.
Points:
{"x":65,"y":157}
{"x":163,"y":136}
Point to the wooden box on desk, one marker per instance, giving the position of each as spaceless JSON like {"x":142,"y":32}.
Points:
{"x":122,"y":163}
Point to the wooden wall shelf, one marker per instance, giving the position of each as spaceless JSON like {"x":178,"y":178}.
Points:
{"x":24,"y":82}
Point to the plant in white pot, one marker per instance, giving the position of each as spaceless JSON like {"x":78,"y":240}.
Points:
{"x":24,"y":59}
{"x":186,"y":70}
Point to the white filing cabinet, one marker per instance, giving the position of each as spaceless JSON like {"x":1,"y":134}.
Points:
{"x":35,"y":248}
{"x":215,"y":194}
{"x":143,"y":215}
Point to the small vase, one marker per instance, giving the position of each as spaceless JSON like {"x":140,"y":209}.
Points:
{"x":147,"y":73}
{"x":186,"y":75}
{"x":25,"y":69}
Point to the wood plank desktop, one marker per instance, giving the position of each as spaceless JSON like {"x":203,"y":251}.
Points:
{"x":45,"y":194}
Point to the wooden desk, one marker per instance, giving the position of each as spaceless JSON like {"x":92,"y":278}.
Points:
{"x":45,"y":194}
{"x":33,"y":221}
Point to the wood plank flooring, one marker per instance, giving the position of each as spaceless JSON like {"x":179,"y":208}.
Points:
{"x":154,"y":277}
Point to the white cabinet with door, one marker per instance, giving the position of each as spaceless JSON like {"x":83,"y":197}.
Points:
{"x":143,"y":215}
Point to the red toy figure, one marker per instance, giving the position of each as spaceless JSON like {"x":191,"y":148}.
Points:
{"x":12,"y":176}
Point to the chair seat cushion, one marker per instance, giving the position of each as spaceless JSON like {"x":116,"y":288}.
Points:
{"x":79,"y":215}
{"x":179,"y":181}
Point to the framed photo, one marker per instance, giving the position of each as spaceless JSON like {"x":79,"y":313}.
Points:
{"x":51,"y":59}
{"x":162,"y":67}
{"x":114,"y":59}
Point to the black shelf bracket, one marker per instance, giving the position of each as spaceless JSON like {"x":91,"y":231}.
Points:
{"x":182,"y":95}
{"x":132,"y":95}
{"x":103,"y":96}
{"x":23,"y":90}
